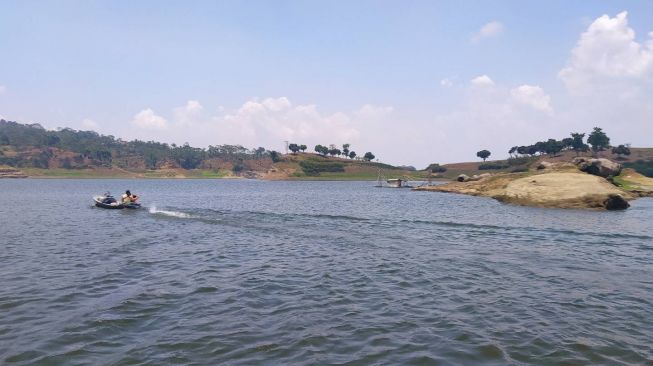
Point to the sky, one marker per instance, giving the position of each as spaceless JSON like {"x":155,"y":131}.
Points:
{"x":414,"y":82}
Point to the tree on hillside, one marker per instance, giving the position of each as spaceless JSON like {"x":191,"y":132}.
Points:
{"x":275,"y":156}
{"x":322,"y":150}
{"x":513,"y":150}
{"x":294,"y":148}
{"x":553,"y":146}
{"x":188,"y":157}
{"x":368,"y":156}
{"x":303,"y":148}
{"x":522,"y":150}
{"x":259,"y":152}
{"x":334,"y":152}
{"x":483,"y":154}
{"x":352,"y":154}
{"x":567,"y":143}
{"x":578,"y":145}
{"x":436,"y":168}
{"x":621,"y":150}
{"x":345,"y":149}
{"x":540,"y":147}
{"x":598,"y":139}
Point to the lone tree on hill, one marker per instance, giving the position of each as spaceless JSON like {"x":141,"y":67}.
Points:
{"x":513,"y":150}
{"x":621,"y":150}
{"x":483,"y":154}
{"x":322,"y":150}
{"x":345,"y":149}
{"x":352,"y":154}
{"x":599,"y":140}
{"x":577,"y":143}
{"x":294,"y":148}
{"x":303,"y":148}
{"x":368,"y":156}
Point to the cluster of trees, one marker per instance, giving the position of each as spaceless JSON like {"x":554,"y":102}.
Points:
{"x":597,"y":141}
{"x":295,"y":148}
{"x":104,"y":150}
{"x":332,"y":150}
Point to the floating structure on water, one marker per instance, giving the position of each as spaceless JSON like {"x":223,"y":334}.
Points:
{"x":382,"y":182}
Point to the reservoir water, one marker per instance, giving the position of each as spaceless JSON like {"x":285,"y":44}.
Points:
{"x":224,"y":272}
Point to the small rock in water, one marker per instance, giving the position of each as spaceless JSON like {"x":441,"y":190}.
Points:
{"x":616,"y":202}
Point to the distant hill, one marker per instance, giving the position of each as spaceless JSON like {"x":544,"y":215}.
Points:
{"x":71,"y":153}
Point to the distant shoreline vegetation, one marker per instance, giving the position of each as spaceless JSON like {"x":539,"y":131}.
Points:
{"x":30,"y":146}
{"x":34,"y":146}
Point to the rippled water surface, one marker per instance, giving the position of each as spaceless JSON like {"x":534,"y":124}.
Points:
{"x":292,"y":273}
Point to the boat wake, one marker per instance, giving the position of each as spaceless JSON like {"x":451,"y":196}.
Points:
{"x":178,"y":214}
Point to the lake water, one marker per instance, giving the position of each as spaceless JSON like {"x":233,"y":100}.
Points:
{"x":297,"y":273}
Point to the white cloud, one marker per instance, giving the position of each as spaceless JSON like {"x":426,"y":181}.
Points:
{"x":3,"y":89}
{"x":274,"y":120}
{"x":489,"y":30}
{"x":373,"y":111}
{"x":147,"y":119}
{"x":482,"y":80}
{"x":446,"y":82}
{"x":277,"y":104}
{"x":607,"y":52}
{"x":188,"y":113}
{"x":532,"y":96}
{"x":90,"y":124}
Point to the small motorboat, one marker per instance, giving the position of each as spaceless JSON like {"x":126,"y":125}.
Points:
{"x":110,"y":202}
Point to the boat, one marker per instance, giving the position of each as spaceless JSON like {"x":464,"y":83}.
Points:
{"x":398,"y":183}
{"x":382,"y":182}
{"x":110,"y":202}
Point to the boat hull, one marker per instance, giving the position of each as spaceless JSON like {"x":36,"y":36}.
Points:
{"x":115,"y":206}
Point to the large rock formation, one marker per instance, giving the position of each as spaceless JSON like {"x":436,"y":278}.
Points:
{"x":600,"y":167}
{"x":556,"y":189}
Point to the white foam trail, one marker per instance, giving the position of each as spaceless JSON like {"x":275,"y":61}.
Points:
{"x":182,"y":215}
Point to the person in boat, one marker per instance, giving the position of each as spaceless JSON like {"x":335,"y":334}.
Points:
{"x":128,"y":197}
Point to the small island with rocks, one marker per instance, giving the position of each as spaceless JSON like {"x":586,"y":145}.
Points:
{"x":557,"y":185}
{"x":553,"y":178}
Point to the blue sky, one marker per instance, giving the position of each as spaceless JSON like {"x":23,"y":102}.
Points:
{"x":395,"y":78}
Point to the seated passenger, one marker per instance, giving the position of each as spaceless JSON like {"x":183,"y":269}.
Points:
{"x":128,"y":197}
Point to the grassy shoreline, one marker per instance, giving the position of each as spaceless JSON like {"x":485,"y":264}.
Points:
{"x":38,"y":173}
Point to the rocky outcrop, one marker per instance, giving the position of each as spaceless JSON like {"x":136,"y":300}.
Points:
{"x":544,"y":165}
{"x":599,"y":167}
{"x":463,"y":178}
{"x":476,"y":177}
{"x":553,"y":189}
{"x":473,"y":178}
